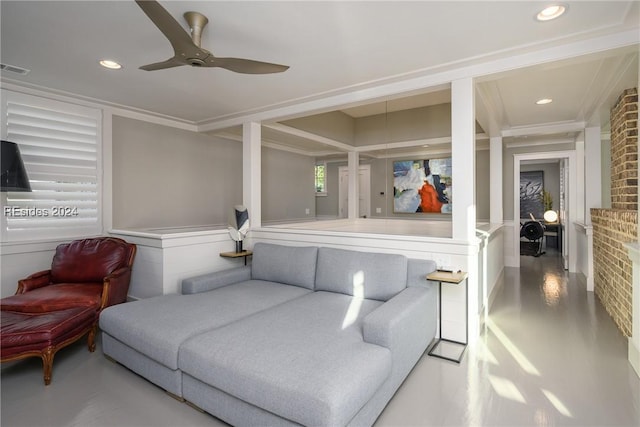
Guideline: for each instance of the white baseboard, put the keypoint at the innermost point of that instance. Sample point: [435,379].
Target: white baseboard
[634,357]
[497,288]
[512,260]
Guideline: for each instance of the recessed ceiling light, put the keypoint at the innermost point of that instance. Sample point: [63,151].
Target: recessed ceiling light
[551,12]
[112,65]
[544,101]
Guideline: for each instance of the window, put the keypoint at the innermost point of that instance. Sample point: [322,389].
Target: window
[321,179]
[60,146]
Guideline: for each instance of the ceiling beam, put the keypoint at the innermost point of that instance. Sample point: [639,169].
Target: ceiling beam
[289,130]
[426,78]
[544,129]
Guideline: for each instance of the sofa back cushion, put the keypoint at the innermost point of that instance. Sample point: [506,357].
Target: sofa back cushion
[290,265]
[88,260]
[417,270]
[369,275]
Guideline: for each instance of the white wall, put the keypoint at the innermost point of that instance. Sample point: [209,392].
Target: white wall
[406,125]
[334,125]
[168,177]
[19,260]
[287,186]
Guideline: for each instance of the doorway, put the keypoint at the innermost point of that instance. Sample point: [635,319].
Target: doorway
[567,201]
[364,191]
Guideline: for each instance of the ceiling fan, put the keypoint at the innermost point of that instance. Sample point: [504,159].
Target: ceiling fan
[187,50]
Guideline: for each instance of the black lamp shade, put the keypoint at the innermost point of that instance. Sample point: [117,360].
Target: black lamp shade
[14,175]
[242,218]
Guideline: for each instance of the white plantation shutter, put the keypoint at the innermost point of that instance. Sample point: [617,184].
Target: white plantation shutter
[60,147]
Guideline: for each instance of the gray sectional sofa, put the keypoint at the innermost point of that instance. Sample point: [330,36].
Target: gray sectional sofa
[310,336]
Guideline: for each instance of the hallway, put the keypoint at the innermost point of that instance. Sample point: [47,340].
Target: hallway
[549,356]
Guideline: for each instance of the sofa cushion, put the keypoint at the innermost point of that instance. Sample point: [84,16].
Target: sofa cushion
[284,264]
[156,327]
[88,260]
[60,296]
[371,275]
[304,360]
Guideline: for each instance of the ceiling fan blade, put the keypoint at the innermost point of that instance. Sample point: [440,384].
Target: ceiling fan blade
[187,50]
[246,66]
[169,63]
[172,30]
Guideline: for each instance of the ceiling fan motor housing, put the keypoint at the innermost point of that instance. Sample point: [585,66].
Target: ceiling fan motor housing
[195,62]
[197,22]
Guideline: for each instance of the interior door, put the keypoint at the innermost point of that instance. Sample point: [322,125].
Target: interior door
[364,191]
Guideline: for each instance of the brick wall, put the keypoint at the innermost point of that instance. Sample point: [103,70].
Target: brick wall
[624,151]
[613,270]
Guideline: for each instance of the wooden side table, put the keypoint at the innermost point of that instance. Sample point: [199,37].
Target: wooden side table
[243,254]
[455,278]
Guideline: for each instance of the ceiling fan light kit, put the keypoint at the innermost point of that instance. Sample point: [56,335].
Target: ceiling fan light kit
[110,64]
[186,47]
[551,12]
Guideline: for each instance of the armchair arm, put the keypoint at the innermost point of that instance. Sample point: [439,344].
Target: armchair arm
[217,279]
[115,287]
[405,324]
[34,281]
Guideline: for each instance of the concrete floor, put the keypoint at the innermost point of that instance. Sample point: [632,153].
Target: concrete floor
[549,356]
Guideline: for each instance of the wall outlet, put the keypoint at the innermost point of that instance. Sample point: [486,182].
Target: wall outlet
[307,211]
[378,210]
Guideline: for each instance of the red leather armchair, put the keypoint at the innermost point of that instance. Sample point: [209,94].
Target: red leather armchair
[54,308]
[90,272]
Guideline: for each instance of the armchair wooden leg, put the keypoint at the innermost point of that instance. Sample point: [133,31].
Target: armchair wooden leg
[47,364]
[91,340]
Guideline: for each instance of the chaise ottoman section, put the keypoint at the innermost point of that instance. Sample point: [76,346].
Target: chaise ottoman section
[43,334]
[145,335]
[304,360]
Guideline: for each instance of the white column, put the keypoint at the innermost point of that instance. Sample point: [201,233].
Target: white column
[590,275]
[354,197]
[580,183]
[634,339]
[463,159]
[495,180]
[592,171]
[252,171]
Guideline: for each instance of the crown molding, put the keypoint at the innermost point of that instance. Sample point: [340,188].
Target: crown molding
[113,108]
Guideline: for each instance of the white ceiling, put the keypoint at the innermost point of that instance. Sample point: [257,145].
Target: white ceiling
[334,47]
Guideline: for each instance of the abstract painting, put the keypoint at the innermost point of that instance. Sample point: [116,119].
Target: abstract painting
[422,186]
[531,187]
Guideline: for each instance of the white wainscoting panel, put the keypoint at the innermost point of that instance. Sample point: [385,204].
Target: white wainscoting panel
[167,256]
